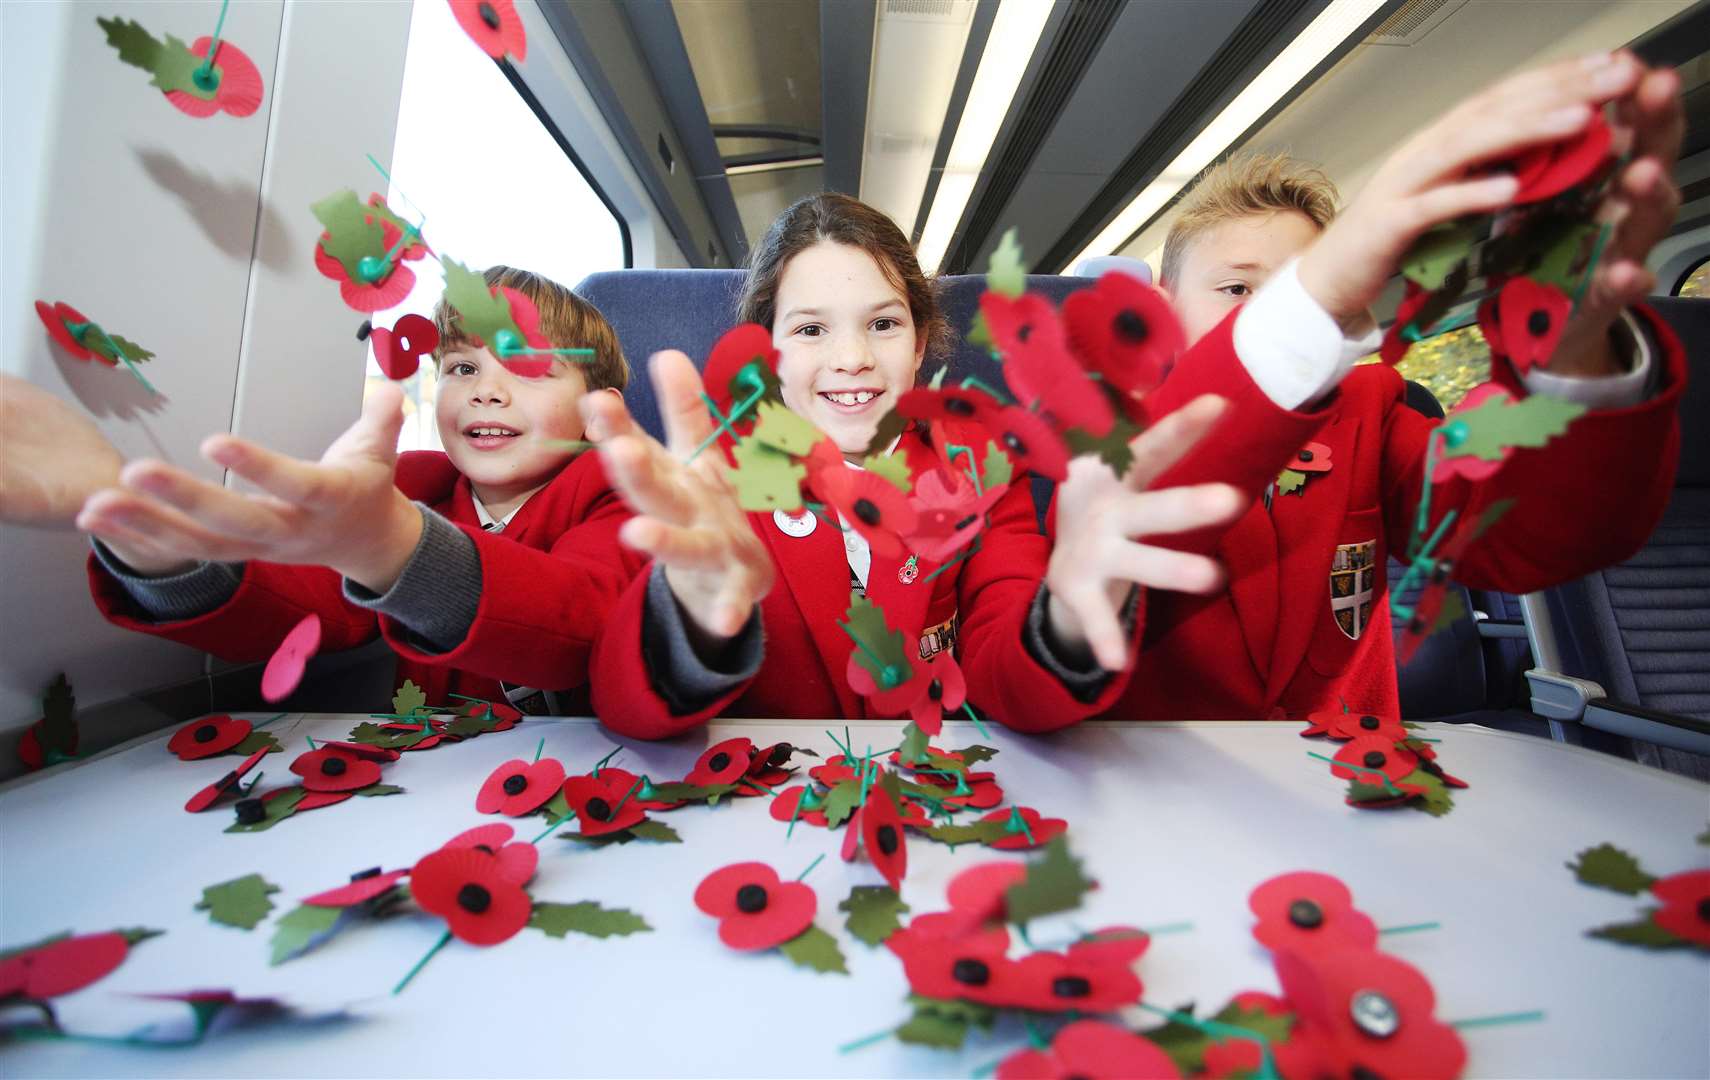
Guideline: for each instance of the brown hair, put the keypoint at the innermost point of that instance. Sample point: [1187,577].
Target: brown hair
[830,215]
[567,321]
[1248,183]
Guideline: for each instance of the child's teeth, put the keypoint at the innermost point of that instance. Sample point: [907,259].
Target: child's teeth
[857,398]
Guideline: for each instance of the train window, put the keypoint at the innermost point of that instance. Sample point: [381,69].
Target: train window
[1447,364]
[1695,282]
[494,186]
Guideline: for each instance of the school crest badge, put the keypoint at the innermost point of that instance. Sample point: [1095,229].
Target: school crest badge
[1352,579]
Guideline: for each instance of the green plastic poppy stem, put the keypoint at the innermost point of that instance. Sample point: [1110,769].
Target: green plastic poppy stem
[272,720]
[1221,1031]
[214,44]
[865,1041]
[1423,517]
[526,351]
[538,749]
[810,866]
[724,422]
[1167,928]
[633,788]
[438,945]
[1591,269]
[549,829]
[310,740]
[1017,823]
[963,554]
[1388,785]
[975,718]
[794,815]
[1411,927]
[1503,1018]
[1418,567]
[840,746]
[1035,1037]
[602,761]
[753,783]
[120,353]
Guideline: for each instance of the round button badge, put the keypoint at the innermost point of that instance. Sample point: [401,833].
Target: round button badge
[795,525]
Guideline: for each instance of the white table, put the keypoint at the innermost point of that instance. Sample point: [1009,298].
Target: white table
[1178,822]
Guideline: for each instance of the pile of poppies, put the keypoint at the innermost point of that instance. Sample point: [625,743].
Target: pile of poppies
[1385,763]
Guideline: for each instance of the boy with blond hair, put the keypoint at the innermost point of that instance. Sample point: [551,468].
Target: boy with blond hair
[495,559]
[1302,624]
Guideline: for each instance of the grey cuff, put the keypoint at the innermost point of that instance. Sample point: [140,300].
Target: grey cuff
[1083,678]
[439,591]
[688,681]
[203,588]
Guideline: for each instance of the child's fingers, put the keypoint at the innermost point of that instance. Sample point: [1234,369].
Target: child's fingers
[374,436]
[301,483]
[1091,606]
[220,510]
[647,478]
[1177,509]
[1160,568]
[677,386]
[683,548]
[159,526]
[1169,440]
[1445,202]
[606,417]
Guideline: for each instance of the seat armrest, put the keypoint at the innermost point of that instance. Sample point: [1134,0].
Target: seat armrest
[1561,697]
[1652,725]
[1500,628]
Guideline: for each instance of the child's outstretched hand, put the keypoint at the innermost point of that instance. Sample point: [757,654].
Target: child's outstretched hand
[1099,557]
[55,457]
[687,517]
[1435,178]
[342,512]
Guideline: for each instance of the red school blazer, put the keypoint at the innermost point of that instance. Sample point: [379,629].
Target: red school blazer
[1272,639]
[548,583]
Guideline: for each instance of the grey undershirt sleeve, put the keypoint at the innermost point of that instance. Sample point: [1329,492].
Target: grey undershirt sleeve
[687,680]
[438,593]
[1081,676]
[175,597]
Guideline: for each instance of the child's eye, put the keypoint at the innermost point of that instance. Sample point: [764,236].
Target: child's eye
[462,367]
[811,330]
[886,323]
[1236,289]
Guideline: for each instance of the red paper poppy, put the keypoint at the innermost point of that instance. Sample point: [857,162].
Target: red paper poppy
[1043,830]
[1118,945]
[285,667]
[59,967]
[1094,1050]
[55,319]
[1370,1014]
[785,807]
[1314,457]
[311,800]
[1047,375]
[942,960]
[239,90]
[627,779]
[1531,318]
[936,686]
[1054,982]
[364,750]
[1468,467]
[950,513]
[754,908]
[368,297]
[528,365]
[983,793]
[1546,171]
[979,893]
[835,771]
[913,814]
[1125,330]
[330,768]
[517,787]
[882,835]
[399,351]
[600,804]
[211,794]
[517,862]
[1373,754]
[1021,322]
[1309,912]
[359,891]
[208,736]
[899,698]
[494,26]
[739,347]
[1354,725]
[964,404]
[1395,344]
[1030,443]
[469,889]
[722,763]
[1686,906]
[869,504]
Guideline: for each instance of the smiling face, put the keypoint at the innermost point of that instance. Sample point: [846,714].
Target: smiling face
[496,426]
[847,346]
[1225,265]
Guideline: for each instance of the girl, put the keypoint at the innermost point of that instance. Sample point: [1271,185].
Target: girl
[740,611]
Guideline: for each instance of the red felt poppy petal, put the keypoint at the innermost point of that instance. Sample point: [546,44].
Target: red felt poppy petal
[1531,318]
[545,778]
[1325,988]
[488,836]
[1031,444]
[330,769]
[1354,725]
[979,891]
[784,808]
[394,362]
[315,800]
[716,894]
[461,886]
[1050,982]
[1548,171]
[1115,945]
[492,794]
[1043,830]
[517,862]
[362,750]
[1030,1065]
[358,891]
[208,736]
[734,351]
[1338,923]
[507,37]
[1093,1048]
[239,92]
[55,318]
[285,667]
[887,844]
[389,291]
[1376,754]
[1684,888]
[72,964]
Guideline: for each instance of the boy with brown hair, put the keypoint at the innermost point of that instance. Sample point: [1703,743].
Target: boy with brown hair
[1303,623]
[495,559]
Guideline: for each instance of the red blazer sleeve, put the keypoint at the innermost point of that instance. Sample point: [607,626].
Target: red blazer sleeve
[1251,444]
[1587,500]
[270,600]
[541,610]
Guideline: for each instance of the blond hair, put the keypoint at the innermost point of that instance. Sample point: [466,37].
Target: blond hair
[1247,183]
[566,320]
